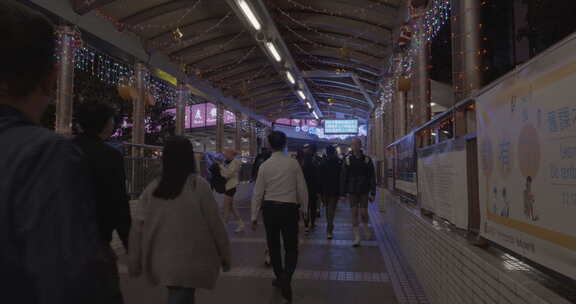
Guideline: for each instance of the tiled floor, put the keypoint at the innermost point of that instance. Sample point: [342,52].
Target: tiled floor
[328,272]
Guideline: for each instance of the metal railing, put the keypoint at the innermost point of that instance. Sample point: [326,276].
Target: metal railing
[143,164]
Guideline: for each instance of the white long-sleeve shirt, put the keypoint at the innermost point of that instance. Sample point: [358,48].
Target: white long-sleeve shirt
[280,179]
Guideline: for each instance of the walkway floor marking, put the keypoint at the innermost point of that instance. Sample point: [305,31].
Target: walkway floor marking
[343,243]
[348,276]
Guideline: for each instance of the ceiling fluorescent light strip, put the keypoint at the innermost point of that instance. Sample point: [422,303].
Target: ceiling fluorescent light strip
[273,51]
[301,94]
[249,14]
[290,77]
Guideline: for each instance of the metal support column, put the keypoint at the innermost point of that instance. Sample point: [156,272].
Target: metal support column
[238,132]
[220,129]
[422,100]
[466,47]
[139,106]
[65,89]
[181,101]
[253,139]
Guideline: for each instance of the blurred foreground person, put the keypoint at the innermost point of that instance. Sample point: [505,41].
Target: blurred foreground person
[51,251]
[179,240]
[107,168]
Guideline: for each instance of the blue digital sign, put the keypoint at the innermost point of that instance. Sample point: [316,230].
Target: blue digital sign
[340,126]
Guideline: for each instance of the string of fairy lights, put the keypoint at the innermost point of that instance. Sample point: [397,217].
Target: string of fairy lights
[401,63]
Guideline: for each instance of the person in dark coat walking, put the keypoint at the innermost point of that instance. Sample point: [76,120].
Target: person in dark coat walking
[358,181]
[51,252]
[108,174]
[310,168]
[330,186]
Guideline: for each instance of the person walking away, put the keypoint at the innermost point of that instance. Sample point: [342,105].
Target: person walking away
[330,186]
[358,181]
[258,161]
[230,170]
[108,174]
[310,170]
[178,240]
[51,252]
[280,191]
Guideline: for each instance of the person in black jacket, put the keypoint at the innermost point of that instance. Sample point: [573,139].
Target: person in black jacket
[358,181]
[330,186]
[264,155]
[310,168]
[50,250]
[107,172]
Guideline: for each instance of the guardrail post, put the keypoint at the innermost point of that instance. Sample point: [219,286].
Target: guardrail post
[220,129]
[67,40]
[183,94]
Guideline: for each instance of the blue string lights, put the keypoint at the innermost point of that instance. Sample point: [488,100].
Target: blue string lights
[435,18]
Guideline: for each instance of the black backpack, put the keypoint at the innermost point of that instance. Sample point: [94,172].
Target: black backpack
[217,181]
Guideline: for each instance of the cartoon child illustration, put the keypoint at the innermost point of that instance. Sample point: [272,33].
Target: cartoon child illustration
[495,201]
[529,200]
[506,209]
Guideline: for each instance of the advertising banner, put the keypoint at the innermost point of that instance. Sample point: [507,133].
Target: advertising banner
[443,183]
[527,158]
[405,180]
[198,116]
[211,114]
[283,121]
[229,117]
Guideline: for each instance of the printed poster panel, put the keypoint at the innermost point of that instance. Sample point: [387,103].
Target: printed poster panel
[211,114]
[443,183]
[229,117]
[198,116]
[405,172]
[527,155]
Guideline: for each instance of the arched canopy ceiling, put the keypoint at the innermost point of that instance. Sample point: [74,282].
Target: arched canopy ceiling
[350,36]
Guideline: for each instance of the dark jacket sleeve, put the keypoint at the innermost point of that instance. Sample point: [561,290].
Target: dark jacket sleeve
[343,177]
[371,177]
[56,216]
[123,218]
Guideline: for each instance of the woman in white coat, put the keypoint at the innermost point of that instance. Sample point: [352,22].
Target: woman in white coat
[179,240]
[230,170]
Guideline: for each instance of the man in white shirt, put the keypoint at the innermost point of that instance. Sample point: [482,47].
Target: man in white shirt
[280,192]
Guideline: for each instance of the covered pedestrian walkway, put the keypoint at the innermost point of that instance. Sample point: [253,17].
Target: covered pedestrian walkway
[329,271]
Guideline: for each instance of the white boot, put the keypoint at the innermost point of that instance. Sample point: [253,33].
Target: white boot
[241,227]
[356,237]
[367,231]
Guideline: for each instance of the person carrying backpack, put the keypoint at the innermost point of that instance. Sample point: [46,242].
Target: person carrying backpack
[358,181]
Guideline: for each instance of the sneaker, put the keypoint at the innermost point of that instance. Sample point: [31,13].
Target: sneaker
[267,260]
[240,228]
[330,236]
[356,237]
[286,291]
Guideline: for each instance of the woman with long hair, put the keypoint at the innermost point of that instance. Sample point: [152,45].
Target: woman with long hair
[179,240]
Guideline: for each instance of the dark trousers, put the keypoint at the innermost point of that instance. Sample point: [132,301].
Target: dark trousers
[330,201]
[281,220]
[181,295]
[312,210]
